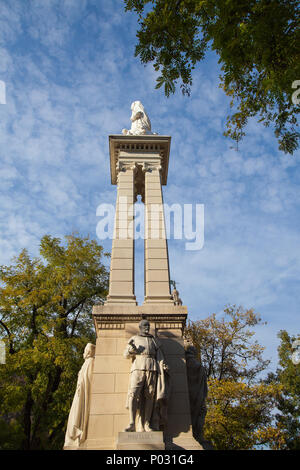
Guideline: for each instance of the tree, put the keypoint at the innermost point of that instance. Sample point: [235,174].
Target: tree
[45,320]
[288,402]
[225,346]
[240,415]
[257,42]
[240,405]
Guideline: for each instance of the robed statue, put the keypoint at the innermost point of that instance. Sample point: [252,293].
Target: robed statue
[79,412]
[148,390]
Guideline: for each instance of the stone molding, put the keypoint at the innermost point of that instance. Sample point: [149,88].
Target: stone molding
[113,317]
[160,321]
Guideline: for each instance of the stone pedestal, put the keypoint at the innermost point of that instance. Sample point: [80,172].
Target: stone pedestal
[140,441]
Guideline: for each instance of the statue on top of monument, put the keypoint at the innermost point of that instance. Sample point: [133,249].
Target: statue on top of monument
[79,412]
[175,294]
[149,382]
[141,124]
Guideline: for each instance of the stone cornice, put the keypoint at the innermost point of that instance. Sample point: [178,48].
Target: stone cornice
[110,317]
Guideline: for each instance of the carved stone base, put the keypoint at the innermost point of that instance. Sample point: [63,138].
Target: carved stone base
[71,448]
[140,441]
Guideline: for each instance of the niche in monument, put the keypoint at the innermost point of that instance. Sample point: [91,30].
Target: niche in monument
[139,396]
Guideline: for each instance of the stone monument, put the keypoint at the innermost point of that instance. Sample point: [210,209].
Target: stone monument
[154,386]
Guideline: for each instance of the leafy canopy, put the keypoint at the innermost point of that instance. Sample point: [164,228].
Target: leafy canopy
[258,44]
[239,405]
[45,320]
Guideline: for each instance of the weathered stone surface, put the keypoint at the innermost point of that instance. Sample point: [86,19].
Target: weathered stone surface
[140,441]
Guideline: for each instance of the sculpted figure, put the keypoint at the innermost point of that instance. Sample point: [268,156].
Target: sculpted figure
[197,385]
[148,383]
[296,353]
[141,124]
[79,413]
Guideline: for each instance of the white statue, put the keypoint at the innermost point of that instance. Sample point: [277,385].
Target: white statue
[79,412]
[148,383]
[141,124]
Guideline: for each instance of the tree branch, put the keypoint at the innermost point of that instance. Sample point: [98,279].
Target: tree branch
[75,320]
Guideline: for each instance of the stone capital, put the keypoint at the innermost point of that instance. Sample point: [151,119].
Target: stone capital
[150,166]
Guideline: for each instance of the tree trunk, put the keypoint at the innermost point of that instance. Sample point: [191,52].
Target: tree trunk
[26,444]
[53,384]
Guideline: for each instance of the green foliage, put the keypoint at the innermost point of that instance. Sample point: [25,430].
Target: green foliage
[258,45]
[239,415]
[239,404]
[288,403]
[45,315]
[11,434]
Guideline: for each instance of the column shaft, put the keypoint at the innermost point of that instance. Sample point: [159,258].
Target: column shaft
[157,278]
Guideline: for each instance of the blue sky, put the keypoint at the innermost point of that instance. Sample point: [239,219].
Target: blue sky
[70,76]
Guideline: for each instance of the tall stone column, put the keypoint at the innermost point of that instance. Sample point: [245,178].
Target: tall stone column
[157,277]
[121,282]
